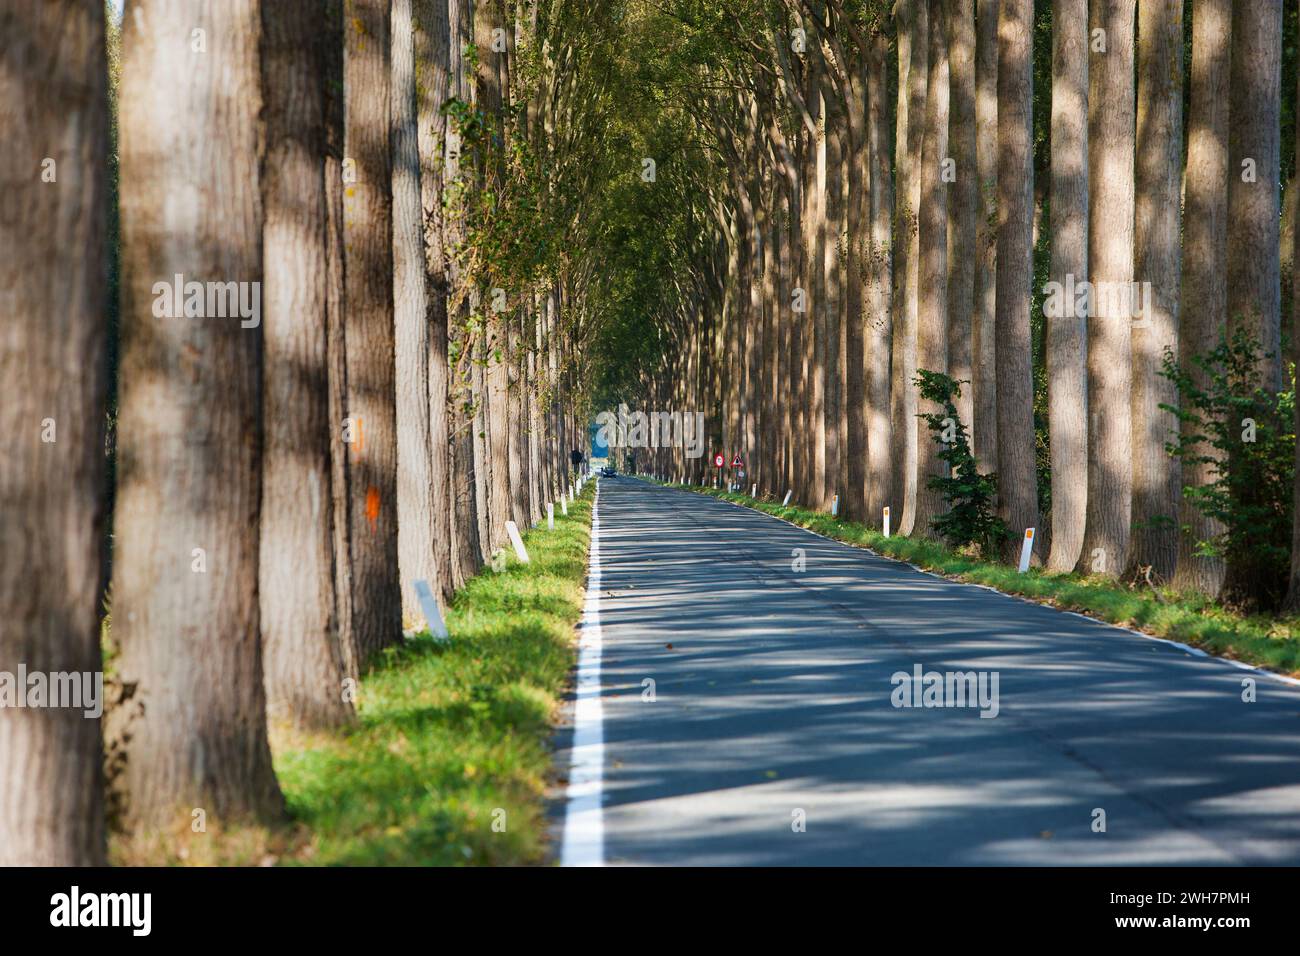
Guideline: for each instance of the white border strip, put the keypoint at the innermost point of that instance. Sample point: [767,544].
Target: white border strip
[583,842]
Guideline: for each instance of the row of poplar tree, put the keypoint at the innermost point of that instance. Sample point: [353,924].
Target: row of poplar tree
[245,534]
[899,182]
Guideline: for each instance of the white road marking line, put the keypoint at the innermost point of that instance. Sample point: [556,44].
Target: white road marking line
[583,842]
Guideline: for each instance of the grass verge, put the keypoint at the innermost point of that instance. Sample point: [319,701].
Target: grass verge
[1193,619]
[449,760]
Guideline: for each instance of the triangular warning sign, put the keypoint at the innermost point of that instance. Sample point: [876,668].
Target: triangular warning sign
[737,461]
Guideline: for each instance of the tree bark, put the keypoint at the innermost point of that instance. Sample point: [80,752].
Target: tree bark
[912,42]
[984,384]
[1017,479]
[191,733]
[53,296]
[964,209]
[1254,266]
[415,488]
[304,660]
[371,367]
[1110,263]
[879,323]
[1205,239]
[1157,260]
[1067,328]
[932,314]
[433,66]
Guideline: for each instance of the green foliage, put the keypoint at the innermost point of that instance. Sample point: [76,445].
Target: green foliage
[1251,432]
[969,495]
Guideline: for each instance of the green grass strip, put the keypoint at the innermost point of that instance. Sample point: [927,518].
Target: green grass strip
[453,738]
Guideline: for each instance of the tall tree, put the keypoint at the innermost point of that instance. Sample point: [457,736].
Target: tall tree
[371,369]
[984,319]
[879,324]
[932,305]
[1018,502]
[191,733]
[1292,602]
[1067,360]
[54,296]
[417,496]
[1157,263]
[305,661]
[1110,262]
[489,32]
[1254,178]
[964,209]
[912,48]
[434,80]
[1205,239]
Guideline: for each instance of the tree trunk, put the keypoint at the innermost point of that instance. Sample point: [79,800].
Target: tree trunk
[368,270]
[1292,602]
[912,42]
[1110,264]
[415,487]
[984,383]
[433,65]
[1205,240]
[1067,328]
[304,659]
[191,733]
[1157,260]
[932,314]
[963,213]
[1254,265]
[53,296]
[1017,479]
[341,453]
[1254,277]
[879,324]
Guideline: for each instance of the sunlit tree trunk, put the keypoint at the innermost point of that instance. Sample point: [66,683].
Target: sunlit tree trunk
[1110,266]
[932,314]
[1067,344]
[879,309]
[912,43]
[306,664]
[964,208]
[1157,263]
[192,733]
[1205,239]
[433,87]
[1017,480]
[1254,265]
[371,370]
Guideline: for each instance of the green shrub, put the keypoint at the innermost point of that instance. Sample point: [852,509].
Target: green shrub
[1252,433]
[970,519]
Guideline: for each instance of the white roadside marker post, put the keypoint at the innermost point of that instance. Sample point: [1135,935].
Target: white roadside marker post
[429,605]
[521,552]
[753,492]
[785,503]
[564,506]
[835,506]
[1026,550]
[886,521]
[550,516]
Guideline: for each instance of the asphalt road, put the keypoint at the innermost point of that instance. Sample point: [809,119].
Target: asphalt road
[774,704]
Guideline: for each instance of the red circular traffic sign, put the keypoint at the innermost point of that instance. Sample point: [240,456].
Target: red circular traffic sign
[719,460]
